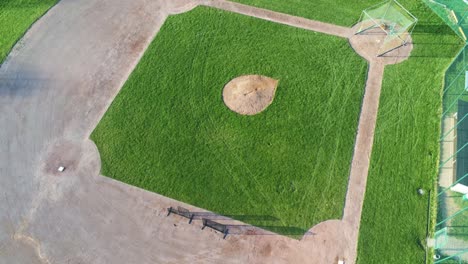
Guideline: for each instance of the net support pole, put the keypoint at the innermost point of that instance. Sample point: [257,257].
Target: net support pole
[452,216]
[453,128]
[454,101]
[453,184]
[386,11]
[451,157]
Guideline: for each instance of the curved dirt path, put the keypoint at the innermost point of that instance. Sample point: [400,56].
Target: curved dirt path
[55,86]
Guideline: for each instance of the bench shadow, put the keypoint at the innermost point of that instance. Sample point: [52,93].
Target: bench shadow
[213,216]
[267,230]
[225,227]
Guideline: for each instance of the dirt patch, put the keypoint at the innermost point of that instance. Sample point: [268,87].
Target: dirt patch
[368,44]
[87,203]
[249,94]
[62,153]
[266,250]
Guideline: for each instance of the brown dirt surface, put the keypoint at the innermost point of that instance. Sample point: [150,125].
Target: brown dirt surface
[368,44]
[249,94]
[48,218]
[62,153]
[285,19]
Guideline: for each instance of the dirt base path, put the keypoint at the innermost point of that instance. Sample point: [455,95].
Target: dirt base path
[362,152]
[55,86]
[281,18]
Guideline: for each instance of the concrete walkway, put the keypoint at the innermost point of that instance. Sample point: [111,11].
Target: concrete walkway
[54,88]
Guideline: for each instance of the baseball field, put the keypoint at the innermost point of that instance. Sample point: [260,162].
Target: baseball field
[287,168]
[169,131]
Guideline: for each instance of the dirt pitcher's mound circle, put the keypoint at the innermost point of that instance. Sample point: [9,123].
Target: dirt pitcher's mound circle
[249,94]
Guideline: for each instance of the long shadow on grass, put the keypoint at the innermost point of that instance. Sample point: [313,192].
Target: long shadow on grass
[260,229]
[427,50]
[213,216]
[267,230]
[430,47]
[424,49]
[421,29]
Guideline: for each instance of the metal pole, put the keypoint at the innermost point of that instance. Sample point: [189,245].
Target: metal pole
[388,7]
[443,163]
[450,257]
[464,68]
[455,126]
[453,184]
[452,216]
[458,75]
[454,101]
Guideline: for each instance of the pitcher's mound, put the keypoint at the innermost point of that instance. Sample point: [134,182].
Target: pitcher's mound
[249,94]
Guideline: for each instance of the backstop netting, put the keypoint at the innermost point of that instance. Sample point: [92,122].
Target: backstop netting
[454,13]
[393,19]
[451,237]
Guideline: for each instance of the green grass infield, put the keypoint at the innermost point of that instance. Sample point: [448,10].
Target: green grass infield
[168,130]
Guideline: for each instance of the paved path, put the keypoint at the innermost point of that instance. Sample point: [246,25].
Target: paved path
[56,85]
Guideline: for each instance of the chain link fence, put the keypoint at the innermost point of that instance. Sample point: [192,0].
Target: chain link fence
[451,227]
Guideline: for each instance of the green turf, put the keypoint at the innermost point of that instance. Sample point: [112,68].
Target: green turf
[16,16]
[406,150]
[169,131]
[339,12]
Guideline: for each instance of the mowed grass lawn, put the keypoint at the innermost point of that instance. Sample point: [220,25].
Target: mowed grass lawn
[341,12]
[16,16]
[168,130]
[406,150]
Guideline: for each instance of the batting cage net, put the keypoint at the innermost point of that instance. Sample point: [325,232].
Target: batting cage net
[393,19]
